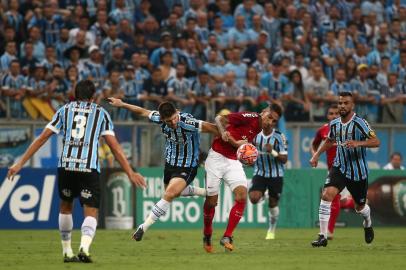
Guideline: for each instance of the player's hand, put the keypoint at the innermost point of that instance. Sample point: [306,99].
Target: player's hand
[13,170]
[138,180]
[351,144]
[268,147]
[116,102]
[225,136]
[314,161]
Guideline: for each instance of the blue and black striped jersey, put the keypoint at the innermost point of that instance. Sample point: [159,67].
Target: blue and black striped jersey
[351,161]
[182,144]
[81,125]
[266,165]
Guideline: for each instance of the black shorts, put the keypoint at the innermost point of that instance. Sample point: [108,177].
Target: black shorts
[85,185]
[274,185]
[187,174]
[358,189]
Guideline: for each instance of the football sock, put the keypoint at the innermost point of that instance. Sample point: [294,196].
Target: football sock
[192,191]
[65,228]
[324,216]
[237,211]
[366,214]
[273,218]
[88,231]
[208,215]
[159,209]
[335,212]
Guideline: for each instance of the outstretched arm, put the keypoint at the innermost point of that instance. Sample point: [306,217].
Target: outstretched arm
[32,149]
[210,128]
[326,144]
[118,153]
[116,102]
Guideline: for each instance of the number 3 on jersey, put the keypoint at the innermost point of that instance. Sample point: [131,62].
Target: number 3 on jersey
[79,130]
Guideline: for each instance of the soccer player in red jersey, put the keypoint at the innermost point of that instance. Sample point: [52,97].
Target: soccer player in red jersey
[321,135]
[221,163]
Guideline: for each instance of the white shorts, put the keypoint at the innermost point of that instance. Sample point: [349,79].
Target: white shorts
[219,167]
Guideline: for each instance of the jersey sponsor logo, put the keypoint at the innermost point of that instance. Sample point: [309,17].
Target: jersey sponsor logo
[190,122]
[82,110]
[249,115]
[372,134]
[75,160]
[77,169]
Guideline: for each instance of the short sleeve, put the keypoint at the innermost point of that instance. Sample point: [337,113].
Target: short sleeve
[192,124]
[57,121]
[107,127]
[331,133]
[366,129]
[155,117]
[283,145]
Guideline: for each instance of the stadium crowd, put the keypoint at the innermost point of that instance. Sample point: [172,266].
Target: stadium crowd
[205,55]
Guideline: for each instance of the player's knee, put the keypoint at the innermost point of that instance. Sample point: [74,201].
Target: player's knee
[273,202]
[171,194]
[66,207]
[254,198]
[210,202]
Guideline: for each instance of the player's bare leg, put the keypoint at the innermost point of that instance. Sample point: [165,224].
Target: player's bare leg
[175,187]
[209,208]
[324,215]
[236,213]
[65,228]
[365,212]
[88,229]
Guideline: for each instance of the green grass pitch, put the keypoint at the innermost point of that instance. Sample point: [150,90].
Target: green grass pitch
[182,249]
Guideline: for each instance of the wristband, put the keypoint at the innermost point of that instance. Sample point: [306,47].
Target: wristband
[274,153]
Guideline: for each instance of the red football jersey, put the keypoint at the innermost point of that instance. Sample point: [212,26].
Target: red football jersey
[321,135]
[242,126]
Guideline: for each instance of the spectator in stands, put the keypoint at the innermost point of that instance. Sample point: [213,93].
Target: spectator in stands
[391,103]
[340,83]
[360,88]
[395,162]
[261,63]
[317,88]
[74,56]
[167,46]
[219,32]
[191,57]
[28,61]
[374,90]
[151,33]
[7,36]
[109,42]
[120,12]
[360,54]
[251,90]
[117,59]
[58,87]
[142,12]
[285,52]
[271,24]
[224,13]
[298,104]
[239,36]
[329,53]
[350,68]
[166,66]
[13,88]
[13,18]
[62,45]
[376,55]
[237,67]
[230,95]
[113,87]
[9,55]
[179,89]
[36,102]
[201,93]
[100,28]
[400,68]
[172,25]
[132,92]
[155,90]
[35,39]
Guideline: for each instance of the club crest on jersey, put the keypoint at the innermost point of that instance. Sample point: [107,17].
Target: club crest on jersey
[67,192]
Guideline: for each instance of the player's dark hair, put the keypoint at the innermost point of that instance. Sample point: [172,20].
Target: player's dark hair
[396,154]
[276,108]
[333,106]
[85,90]
[345,94]
[166,110]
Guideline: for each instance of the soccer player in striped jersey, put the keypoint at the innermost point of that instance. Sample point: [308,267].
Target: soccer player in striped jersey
[352,135]
[81,123]
[269,167]
[182,132]
[343,199]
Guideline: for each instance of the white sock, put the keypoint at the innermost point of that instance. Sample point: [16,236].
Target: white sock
[324,216]
[273,218]
[366,214]
[65,228]
[159,209]
[192,191]
[88,231]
